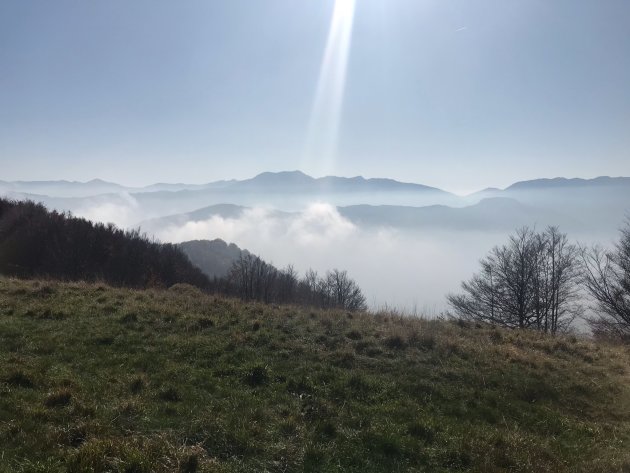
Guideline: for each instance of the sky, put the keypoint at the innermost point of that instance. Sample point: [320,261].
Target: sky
[457,94]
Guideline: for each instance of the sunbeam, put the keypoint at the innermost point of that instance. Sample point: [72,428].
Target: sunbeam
[321,146]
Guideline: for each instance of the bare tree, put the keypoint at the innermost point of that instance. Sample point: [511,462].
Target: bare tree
[308,289]
[287,285]
[502,293]
[531,282]
[557,282]
[607,279]
[341,292]
[251,278]
[482,297]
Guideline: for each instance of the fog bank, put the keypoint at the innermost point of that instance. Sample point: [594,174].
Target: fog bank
[407,270]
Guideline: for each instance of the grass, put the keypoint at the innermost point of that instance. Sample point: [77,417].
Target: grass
[95,379]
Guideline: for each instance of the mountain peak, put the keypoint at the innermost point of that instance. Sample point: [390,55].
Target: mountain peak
[101,182]
[282,175]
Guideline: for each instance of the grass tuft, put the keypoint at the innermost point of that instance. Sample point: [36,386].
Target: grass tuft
[19,379]
[257,376]
[170,395]
[57,399]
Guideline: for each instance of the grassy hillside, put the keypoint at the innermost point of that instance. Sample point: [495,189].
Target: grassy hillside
[100,379]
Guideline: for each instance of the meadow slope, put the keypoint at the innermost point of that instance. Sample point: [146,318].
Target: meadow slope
[97,379]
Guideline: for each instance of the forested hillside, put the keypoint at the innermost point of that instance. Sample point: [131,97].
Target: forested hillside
[37,243]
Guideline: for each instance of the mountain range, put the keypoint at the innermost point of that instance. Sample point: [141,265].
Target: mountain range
[294,182]
[282,182]
[576,204]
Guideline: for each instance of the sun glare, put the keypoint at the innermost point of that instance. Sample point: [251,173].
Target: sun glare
[327,108]
[344,8]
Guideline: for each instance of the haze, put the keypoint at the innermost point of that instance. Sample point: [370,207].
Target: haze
[452,101]
[455,94]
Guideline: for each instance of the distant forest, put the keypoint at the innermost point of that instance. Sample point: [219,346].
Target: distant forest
[37,243]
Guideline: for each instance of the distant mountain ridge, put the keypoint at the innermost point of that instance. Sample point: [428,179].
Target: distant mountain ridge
[271,189]
[61,188]
[298,181]
[491,214]
[598,204]
[285,181]
[563,182]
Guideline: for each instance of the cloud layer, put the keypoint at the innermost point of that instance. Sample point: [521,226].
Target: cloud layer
[404,270]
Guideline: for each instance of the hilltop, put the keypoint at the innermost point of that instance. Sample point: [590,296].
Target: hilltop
[94,378]
[215,258]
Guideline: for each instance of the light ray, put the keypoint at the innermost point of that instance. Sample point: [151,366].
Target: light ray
[323,133]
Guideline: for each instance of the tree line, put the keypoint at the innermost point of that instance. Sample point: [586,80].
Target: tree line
[539,280]
[37,243]
[251,278]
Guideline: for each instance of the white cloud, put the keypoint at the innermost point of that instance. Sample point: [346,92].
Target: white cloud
[393,267]
[320,224]
[123,213]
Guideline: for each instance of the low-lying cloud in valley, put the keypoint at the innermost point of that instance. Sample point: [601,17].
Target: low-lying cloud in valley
[123,211]
[407,270]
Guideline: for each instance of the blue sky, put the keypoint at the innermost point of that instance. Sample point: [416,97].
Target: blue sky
[458,94]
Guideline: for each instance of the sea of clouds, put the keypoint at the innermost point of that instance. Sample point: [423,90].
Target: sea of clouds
[409,271]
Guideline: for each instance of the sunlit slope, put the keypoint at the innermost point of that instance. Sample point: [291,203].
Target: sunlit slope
[101,379]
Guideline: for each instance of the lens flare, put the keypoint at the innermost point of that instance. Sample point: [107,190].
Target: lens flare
[323,133]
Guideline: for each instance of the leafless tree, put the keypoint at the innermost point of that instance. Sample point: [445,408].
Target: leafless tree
[308,289]
[339,291]
[557,282]
[251,278]
[607,279]
[531,282]
[287,285]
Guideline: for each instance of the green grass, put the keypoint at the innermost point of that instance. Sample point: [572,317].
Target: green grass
[98,379]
